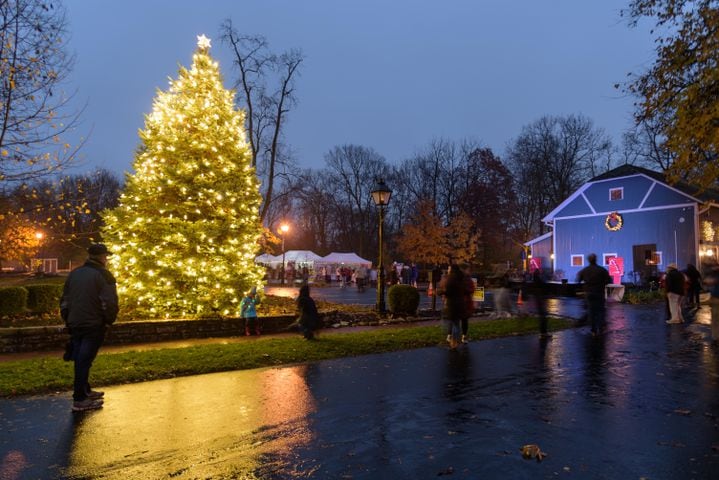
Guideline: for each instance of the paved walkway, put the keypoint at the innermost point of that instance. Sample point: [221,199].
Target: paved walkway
[638,402]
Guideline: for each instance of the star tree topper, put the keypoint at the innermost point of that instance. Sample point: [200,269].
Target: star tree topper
[203,42]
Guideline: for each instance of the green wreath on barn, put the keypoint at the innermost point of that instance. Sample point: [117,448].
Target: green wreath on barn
[613,222]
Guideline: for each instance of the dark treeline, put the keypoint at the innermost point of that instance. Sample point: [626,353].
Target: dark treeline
[451,200]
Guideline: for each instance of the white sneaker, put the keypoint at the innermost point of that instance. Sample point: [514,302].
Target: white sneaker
[449,337]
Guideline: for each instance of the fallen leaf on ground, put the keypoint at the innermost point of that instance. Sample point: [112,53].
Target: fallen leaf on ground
[533,451]
[683,411]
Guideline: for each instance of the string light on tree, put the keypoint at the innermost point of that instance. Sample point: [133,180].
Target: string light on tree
[185,233]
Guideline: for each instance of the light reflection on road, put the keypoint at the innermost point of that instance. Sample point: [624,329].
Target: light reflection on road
[194,424]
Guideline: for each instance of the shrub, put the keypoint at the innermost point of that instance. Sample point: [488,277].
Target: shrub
[43,298]
[403,299]
[636,297]
[13,300]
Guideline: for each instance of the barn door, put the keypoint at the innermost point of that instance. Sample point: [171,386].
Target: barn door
[644,262]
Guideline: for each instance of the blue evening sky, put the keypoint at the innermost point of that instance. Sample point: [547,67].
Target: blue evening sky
[386,74]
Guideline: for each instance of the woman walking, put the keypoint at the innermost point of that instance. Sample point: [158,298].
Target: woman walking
[452,288]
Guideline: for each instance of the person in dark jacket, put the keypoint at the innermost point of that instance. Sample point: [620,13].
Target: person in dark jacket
[452,287]
[596,279]
[540,290]
[308,318]
[695,285]
[88,305]
[674,284]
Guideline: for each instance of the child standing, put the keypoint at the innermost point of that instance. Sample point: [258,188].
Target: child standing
[249,312]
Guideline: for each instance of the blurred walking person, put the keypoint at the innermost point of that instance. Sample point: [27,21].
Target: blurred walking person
[452,288]
[540,287]
[695,285]
[361,278]
[469,288]
[712,281]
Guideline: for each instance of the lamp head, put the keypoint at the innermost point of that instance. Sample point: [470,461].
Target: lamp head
[381,193]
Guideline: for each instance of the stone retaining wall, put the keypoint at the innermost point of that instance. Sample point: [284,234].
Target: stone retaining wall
[33,339]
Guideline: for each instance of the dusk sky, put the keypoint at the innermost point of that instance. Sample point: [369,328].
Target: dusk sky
[391,75]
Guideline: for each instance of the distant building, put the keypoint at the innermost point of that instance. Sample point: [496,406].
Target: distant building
[632,213]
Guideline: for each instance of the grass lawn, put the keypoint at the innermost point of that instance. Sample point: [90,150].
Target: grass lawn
[51,375]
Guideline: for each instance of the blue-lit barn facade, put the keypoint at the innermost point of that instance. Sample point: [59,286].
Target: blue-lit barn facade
[632,213]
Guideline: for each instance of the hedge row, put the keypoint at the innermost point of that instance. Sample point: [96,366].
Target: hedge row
[35,298]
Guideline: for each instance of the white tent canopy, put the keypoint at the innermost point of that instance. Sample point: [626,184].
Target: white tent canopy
[300,257]
[267,259]
[352,259]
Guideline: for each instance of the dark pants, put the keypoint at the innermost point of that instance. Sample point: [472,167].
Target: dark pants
[454,327]
[694,291]
[465,326]
[596,311]
[250,324]
[307,331]
[84,350]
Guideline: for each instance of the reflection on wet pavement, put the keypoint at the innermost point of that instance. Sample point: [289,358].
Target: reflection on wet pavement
[203,422]
[640,401]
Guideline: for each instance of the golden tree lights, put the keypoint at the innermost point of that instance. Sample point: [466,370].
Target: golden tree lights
[613,222]
[185,233]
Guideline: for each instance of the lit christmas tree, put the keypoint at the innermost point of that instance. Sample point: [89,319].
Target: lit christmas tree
[185,233]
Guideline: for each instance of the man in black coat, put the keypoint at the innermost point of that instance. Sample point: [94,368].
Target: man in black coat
[674,285]
[596,279]
[88,305]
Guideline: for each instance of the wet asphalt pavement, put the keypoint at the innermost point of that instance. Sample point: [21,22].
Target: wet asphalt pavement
[641,401]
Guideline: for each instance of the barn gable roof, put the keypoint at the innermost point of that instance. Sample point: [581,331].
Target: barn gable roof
[685,190]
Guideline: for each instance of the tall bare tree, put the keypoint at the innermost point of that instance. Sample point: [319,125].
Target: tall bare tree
[266,83]
[646,145]
[488,196]
[550,159]
[352,171]
[436,174]
[313,213]
[34,65]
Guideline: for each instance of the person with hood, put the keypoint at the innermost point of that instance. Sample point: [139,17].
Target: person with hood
[88,306]
[308,317]
[248,311]
[674,285]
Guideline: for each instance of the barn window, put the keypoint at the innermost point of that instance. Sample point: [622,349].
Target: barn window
[656,259]
[616,194]
[606,257]
[577,260]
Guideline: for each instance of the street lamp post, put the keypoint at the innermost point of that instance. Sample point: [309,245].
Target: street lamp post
[283,230]
[381,195]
